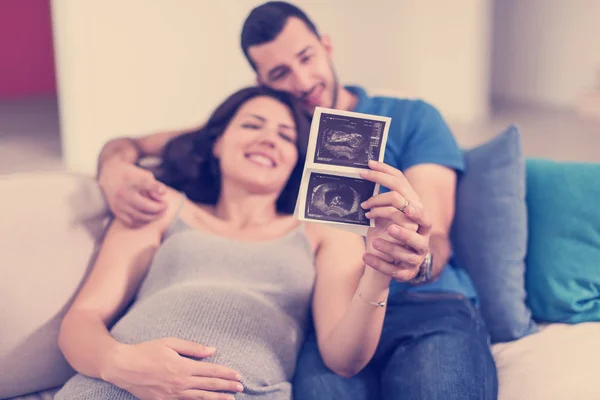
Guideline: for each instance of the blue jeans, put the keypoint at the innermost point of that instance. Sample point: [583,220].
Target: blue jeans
[433,346]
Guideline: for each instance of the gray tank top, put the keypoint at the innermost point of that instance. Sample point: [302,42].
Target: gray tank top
[250,300]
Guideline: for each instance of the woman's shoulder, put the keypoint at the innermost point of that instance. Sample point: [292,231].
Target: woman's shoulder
[153,229]
[173,198]
[173,201]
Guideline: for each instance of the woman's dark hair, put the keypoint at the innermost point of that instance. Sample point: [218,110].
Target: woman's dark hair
[188,163]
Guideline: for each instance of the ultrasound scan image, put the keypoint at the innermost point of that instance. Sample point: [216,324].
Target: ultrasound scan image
[337,198]
[348,141]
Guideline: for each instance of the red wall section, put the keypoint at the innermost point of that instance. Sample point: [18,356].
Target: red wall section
[26,50]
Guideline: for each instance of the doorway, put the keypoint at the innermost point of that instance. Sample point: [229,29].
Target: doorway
[29,114]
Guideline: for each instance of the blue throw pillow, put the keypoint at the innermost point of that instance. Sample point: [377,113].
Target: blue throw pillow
[489,233]
[563,261]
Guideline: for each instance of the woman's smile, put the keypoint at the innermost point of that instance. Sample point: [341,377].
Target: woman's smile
[261,159]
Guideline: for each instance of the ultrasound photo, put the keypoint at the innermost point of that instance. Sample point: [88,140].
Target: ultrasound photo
[348,141]
[337,198]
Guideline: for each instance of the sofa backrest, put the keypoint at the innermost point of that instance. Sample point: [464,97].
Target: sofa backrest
[50,226]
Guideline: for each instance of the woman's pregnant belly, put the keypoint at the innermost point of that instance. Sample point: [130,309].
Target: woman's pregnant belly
[250,334]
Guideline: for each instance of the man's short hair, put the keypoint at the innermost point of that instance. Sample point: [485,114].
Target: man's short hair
[266,21]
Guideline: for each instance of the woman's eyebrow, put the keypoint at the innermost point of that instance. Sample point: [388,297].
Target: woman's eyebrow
[263,119]
[257,117]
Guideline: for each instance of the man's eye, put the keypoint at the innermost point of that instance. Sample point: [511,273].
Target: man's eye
[306,59]
[279,76]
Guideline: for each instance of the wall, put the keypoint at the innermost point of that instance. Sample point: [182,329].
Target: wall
[545,51]
[140,66]
[26,49]
[437,50]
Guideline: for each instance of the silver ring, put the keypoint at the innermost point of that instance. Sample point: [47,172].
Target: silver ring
[406,204]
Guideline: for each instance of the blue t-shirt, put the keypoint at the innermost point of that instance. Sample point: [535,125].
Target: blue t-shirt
[418,134]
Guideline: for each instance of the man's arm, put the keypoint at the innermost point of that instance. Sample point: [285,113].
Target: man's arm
[130,150]
[436,187]
[133,193]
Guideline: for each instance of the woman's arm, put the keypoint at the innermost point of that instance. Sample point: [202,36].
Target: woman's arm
[348,327]
[348,323]
[122,262]
[160,368]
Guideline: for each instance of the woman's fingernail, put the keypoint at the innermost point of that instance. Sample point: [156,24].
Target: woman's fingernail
[239,387]
[368,214]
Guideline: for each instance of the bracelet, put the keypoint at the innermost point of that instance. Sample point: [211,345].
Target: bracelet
[375,303]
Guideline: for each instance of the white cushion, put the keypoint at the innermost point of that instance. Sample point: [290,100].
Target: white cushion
[561,362]
[50,224]
[44,395]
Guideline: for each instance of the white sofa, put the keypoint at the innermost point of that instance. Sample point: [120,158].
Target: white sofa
[50,226]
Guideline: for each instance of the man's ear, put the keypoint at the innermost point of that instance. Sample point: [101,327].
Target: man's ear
[327,45]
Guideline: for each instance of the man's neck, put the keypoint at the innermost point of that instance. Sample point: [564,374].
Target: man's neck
[346,100]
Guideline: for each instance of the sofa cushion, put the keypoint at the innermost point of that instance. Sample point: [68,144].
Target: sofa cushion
[51,224]
[563,261]
[489,233]
[560,362]
[44,395]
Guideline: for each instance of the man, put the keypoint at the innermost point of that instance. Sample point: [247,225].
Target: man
[434,344]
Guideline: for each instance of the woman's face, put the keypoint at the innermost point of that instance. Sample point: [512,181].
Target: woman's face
[258,150]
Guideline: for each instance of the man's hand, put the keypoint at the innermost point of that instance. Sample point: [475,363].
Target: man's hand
[133,193]
[436,186]
[399,242]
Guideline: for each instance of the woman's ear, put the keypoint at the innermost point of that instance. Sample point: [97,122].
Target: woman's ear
[216,150]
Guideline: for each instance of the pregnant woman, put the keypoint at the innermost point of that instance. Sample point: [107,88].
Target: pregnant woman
[212,299]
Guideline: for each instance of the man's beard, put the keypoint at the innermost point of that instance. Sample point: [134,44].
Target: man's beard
[334,100]
[336,85]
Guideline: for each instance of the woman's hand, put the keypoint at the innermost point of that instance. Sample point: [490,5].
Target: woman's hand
[399,242]
[157,369]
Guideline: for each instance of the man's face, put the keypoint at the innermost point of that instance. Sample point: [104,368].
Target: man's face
[299,63]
